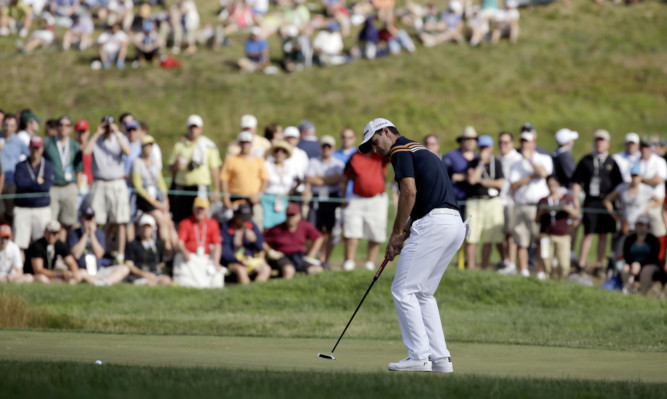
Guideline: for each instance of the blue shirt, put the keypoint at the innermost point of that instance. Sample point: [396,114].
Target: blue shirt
[28,182]
[227,231]
[455,163]
[254,49]
[73,238]
[14,152]
[135,151]
[311,146]
[344,157]
[434,189]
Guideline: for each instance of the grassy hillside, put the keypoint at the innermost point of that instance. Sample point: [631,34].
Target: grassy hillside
[582,67]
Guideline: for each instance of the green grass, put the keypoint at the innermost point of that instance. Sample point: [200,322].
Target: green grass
[74,380]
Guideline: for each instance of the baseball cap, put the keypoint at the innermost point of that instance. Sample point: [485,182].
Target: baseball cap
[88,212]
[306,126]
[564,136]
[195,120]
[328,140]
[131,125]
[148,139]
[632,137]
[245,137]
[636,169]
[528,136]
[370,129]
[147,219]
[291,131]
[28,116]
[243,211]
[528,127]
[485,141]
[36,142]
[82,124]
[601,134]
[53,226]
[248,122]
[644,142]
[292,209]
[5,231]
[201,202]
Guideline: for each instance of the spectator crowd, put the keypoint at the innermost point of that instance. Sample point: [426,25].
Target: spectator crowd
[88,202]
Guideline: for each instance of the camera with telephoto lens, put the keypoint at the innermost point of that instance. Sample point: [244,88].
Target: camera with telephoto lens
[107,120]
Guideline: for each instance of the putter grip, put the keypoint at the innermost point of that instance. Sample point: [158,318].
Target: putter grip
[382,266]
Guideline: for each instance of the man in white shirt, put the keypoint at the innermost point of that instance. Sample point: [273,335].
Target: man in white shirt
[653,170]
[299,159]
[328,45]
[528,182]
[508,157]
[627,158]
[11,262]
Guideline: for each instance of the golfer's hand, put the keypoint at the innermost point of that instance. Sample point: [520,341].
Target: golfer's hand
[394,245]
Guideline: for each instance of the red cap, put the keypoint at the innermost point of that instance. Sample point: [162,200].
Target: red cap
[36,142]
[293,209]
[5,231]
[82,124]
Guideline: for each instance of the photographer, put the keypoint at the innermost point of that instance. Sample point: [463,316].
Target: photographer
[109,196]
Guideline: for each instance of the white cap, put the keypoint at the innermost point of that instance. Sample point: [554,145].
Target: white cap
[291,31]
[456,6]
[245,137]
[370,129]
[632,137]
[195,120]
[248,122]
[529,136]
[291,131]
[564,136]
[52,226]
[255,31]
[147,219]
[328,139]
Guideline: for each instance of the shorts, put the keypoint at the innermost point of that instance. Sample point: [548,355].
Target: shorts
[508,225]
[29,224]
[63,203]
[295,259]
[598,220]
[366,218]
[325,214]
[657,223]
[111,201]
[487,220]
[525,227]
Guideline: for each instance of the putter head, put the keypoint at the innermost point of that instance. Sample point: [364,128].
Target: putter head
[325,356]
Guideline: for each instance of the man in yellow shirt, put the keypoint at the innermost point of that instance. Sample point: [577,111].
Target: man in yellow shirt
[244,178]
[195,162]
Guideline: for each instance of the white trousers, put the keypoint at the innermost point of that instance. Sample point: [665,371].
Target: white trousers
[433,242]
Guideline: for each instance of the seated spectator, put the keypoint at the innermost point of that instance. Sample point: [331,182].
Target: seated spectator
[337,10]
[87,246]
[15,17]
[367,42]
[285,245]
[31,213]
[11,260]
[431,26]
[395,39]
[113,47]
[189,20]
[148,44]
[80,34]
[63,10]
[553,213]
[506,23]
[282,180]
[144,255]
[640,255]
[256,52]
[478,24]
[197,262]
[120,12]
[49,260]
[240,16]
[42,36]
[293,55]
[242,247]
[328,46]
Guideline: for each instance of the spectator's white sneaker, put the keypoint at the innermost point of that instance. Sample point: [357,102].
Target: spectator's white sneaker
[369,265]
[525,273]
[442,366]
[349,265]
[509,269]
[541,276]
[408,364]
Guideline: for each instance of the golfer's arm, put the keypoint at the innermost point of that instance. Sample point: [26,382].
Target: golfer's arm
[406,201]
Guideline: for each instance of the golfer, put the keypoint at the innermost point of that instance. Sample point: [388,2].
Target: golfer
[427,232]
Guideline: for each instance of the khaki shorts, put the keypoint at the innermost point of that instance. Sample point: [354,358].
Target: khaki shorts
[111,201]
[63,203]
[525,227]
[487,220]
[366,218]
[508,225]
[29,224]
[657,223]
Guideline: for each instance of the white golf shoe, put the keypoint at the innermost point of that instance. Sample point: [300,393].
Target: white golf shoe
[408,364]
[443,366]
[349,265]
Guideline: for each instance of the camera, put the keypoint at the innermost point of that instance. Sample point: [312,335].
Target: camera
[107,119]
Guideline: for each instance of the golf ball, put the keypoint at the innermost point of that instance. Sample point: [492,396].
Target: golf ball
[98,362]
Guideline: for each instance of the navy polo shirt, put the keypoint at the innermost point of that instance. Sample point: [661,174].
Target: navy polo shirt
[454,162]
[434,189]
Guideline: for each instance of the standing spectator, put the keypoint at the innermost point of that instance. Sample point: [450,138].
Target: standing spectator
[273,132]
[34,177]
[508,157]
[456,163]
[109,196]
[553,213]
[285,245]
[87,246]
[256,52]
[282,178]
[11,260]
[51,127]
[85,178]
[530,128]
[432,143]
[635,198]
[323,179]
[143,256]
[640,257]
[528,182]
[260,145]
[626,159]
[653,169]
[64,154]
[597,174]
[195,161]
[197,262]
[133,135]
[299,159]
[365,215]
[347,147]
[244,176]
[243,247]
[30,126]
[49,260]
[562,159]
[308,141]
[485,179]
[113,47]
[13,151]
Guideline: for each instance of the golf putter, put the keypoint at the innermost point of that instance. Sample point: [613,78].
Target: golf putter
[330,356]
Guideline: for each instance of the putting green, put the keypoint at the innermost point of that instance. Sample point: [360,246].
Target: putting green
[300,354]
